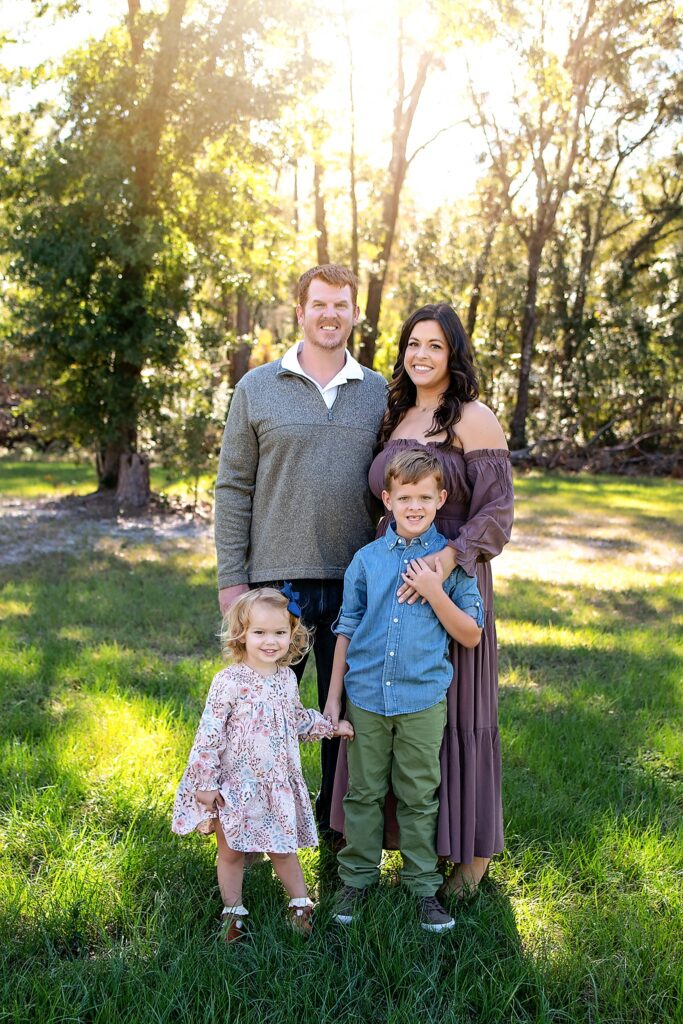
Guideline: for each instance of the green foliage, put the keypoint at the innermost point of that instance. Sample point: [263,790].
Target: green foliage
[188,433]
[150,219]
[125,196]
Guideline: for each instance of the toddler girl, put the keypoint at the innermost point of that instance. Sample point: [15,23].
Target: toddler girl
[243,780]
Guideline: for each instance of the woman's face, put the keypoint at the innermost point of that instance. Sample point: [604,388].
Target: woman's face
[426,356]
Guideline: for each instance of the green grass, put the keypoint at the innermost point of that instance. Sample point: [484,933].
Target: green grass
[51,478]
[105,916]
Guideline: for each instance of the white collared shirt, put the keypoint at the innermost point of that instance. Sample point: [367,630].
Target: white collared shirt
[351,370]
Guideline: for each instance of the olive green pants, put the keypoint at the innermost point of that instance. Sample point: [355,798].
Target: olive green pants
[403,750]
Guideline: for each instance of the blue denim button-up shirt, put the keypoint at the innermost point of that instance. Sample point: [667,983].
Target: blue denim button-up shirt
[398,655]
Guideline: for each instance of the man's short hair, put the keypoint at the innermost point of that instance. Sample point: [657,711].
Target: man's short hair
[330,273]
[411,466]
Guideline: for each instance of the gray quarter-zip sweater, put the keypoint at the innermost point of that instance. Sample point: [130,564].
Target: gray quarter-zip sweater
[292,497]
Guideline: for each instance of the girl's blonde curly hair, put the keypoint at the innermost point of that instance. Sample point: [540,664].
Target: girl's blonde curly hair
[236,623]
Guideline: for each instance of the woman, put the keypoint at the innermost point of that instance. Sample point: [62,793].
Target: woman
[433,401]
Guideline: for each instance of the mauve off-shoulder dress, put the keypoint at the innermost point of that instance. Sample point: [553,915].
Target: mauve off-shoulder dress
[476,519]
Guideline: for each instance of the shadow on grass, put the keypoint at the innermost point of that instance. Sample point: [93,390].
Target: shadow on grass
[101,624]
[112,910]
[538,602]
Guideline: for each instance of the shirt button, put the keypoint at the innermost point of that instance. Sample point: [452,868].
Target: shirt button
[405,561]
[388,682]
[395,620]
[391,654]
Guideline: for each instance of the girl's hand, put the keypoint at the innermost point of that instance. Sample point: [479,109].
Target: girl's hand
[210,798]
[344,729]
[425,581]
[331,711]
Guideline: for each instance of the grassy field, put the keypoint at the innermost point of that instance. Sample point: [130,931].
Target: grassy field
[106,917]
[53,478]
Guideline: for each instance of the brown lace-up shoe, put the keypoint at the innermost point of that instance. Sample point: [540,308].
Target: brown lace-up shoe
[348,903]
[433,918]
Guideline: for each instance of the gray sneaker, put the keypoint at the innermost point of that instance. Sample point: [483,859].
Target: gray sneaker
[433,918]
[348,903]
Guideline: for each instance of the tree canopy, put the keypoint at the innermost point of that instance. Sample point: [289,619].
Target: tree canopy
[175,174]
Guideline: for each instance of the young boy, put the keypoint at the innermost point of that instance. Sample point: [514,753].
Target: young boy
[393,661]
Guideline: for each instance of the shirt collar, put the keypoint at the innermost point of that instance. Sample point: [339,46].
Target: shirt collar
[351,370]
[425,540]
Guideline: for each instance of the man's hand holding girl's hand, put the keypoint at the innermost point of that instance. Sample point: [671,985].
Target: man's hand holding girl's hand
[332,711]
[210,798]
[341,727]
[344,729]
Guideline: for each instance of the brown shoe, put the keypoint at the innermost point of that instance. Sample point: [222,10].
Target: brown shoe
[348,903]
[433,918]
[232,923]
[301,915]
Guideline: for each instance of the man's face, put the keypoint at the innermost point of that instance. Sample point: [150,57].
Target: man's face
[328,316]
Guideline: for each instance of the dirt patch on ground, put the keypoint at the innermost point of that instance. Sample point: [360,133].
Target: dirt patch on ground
[33,529]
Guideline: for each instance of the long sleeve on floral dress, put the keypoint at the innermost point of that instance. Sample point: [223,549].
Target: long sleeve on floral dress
[204,769]
[204,765]
[310,724]
[491,511]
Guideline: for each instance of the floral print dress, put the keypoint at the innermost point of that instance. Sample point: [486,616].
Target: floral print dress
[247,746]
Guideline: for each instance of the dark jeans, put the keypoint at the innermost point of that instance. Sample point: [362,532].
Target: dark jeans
[320,602]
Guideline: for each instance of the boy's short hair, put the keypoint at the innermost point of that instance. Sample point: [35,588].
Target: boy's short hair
[411,466]
[330,273]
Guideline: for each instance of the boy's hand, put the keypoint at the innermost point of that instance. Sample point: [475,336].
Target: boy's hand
[425,581]
[210,798]
[344,729]
[331,711]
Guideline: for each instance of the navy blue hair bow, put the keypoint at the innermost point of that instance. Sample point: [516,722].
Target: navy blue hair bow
[293,598]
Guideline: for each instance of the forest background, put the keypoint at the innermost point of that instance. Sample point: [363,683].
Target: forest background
[168,170]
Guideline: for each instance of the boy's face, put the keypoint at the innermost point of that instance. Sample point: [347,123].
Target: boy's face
[414,506]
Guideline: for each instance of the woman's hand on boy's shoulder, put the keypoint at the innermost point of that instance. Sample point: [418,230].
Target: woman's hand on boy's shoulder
[447,561]
[427,582]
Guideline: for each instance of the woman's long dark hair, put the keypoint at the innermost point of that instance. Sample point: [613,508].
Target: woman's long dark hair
[462,386]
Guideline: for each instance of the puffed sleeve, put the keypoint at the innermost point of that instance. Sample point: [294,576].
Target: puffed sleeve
[310,724]
[203,769]
[489,523]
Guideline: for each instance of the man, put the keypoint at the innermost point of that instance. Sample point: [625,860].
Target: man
[292,498]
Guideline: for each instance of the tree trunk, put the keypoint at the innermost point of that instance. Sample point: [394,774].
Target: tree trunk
[107,462]
[352,176]
[296,197]
[133,483]
[146,131]
[124,439]
[241,353]
[320,223]
[528,335]
[404,114]
[479,274]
